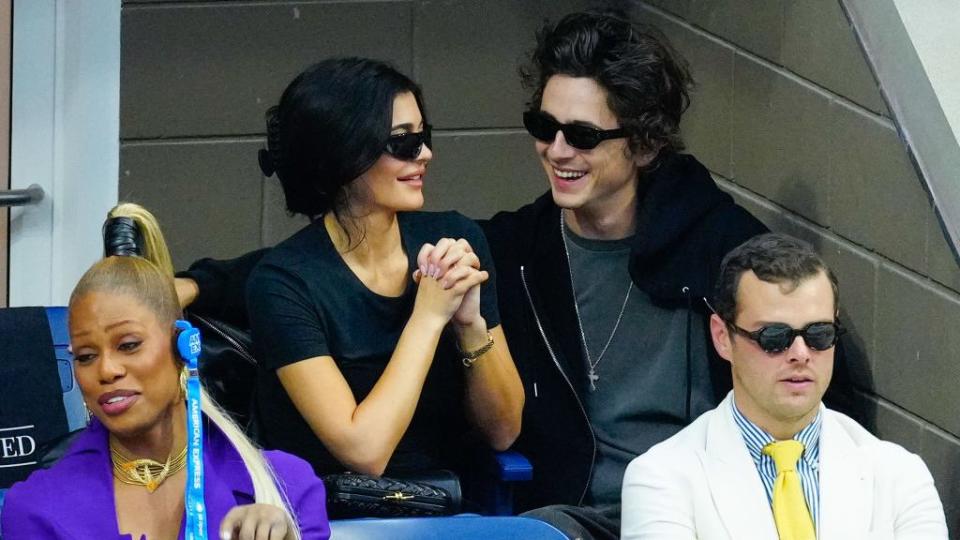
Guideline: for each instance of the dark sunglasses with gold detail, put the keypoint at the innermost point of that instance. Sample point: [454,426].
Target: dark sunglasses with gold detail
[544,127]
[407,146]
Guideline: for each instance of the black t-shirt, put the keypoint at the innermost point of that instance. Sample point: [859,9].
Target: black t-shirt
[304,302]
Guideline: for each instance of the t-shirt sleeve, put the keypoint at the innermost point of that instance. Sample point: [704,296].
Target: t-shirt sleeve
[286,325]
[488,291]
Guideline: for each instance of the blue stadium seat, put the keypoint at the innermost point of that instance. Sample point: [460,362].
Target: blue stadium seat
[495,479]
[72,398]
[463,527]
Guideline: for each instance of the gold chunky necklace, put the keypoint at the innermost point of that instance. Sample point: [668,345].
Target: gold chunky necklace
[146,472]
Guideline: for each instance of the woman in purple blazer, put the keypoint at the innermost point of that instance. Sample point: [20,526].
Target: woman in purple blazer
[125,476]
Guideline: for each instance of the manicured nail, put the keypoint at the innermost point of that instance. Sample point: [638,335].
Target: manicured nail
[432,270]
[423,269]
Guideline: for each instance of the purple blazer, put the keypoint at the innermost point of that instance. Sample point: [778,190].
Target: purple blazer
[74,498]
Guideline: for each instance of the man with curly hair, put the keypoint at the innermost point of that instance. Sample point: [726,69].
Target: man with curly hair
[601,279]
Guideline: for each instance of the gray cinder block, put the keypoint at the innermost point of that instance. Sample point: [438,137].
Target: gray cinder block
[213,69]
[482,173]
[916,344]
[207,195]
[779,144]
[468,52]
[875,196]
[707,123]
[818,44]
[755,25]
[942,264]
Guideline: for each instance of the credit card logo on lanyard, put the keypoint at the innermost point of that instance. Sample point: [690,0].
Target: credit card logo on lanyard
[188,345]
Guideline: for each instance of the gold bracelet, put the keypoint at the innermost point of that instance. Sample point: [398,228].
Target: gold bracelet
[470,357]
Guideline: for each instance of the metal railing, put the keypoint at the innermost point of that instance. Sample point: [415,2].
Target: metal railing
[21,197]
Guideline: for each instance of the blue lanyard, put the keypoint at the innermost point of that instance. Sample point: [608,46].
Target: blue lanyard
[188,345]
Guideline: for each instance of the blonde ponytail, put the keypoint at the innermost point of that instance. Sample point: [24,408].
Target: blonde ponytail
[154,245]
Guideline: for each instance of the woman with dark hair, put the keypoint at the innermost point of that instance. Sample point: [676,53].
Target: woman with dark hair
[376,325]
[125,475]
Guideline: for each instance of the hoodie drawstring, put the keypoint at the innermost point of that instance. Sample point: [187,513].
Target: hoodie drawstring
[686,292]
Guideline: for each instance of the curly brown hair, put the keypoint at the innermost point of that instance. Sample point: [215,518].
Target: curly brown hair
[647,82]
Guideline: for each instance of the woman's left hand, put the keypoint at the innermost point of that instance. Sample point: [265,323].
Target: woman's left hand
[254,522]
[436,260]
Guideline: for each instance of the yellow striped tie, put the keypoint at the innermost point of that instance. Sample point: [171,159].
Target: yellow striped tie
[789,506]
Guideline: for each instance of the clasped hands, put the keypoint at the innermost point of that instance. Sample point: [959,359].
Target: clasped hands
[449,278]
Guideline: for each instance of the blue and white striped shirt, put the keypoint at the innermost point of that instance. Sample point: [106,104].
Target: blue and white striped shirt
[808,466]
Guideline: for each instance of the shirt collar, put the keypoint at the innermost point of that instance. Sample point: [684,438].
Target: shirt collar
[756,438]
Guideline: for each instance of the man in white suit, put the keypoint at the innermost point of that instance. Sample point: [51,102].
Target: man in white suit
[771,461]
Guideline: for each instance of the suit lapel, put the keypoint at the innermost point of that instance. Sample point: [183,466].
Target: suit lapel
[735,484]
[846,484]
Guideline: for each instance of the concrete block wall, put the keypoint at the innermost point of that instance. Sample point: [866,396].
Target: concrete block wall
[788,117]
[197,77]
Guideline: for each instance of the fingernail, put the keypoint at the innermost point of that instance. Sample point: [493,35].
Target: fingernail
[432,270]
[224,535]
[423,269]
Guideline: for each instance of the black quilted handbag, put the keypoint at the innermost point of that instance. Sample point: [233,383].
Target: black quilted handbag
[351,495]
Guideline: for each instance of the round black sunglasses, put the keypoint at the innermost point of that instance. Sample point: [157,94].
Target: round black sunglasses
[778,337]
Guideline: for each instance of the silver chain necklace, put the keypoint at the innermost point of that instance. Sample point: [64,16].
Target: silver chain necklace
[592,374]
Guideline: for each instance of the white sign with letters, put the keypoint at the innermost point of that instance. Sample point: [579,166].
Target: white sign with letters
[17,449]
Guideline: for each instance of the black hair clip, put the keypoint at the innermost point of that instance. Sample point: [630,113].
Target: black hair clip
[266,162]
[122,237]
[270,156]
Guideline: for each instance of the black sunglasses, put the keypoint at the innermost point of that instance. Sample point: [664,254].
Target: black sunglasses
[544,128]
[407,146]
[778,337]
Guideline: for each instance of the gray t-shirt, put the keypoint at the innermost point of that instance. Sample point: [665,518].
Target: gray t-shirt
[641,392]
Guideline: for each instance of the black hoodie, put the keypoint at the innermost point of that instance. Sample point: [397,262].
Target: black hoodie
[685,225]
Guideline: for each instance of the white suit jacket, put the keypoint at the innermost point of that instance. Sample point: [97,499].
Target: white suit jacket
[702,483]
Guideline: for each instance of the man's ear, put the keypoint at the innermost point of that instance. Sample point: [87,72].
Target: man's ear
[720,334]
[643,157]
